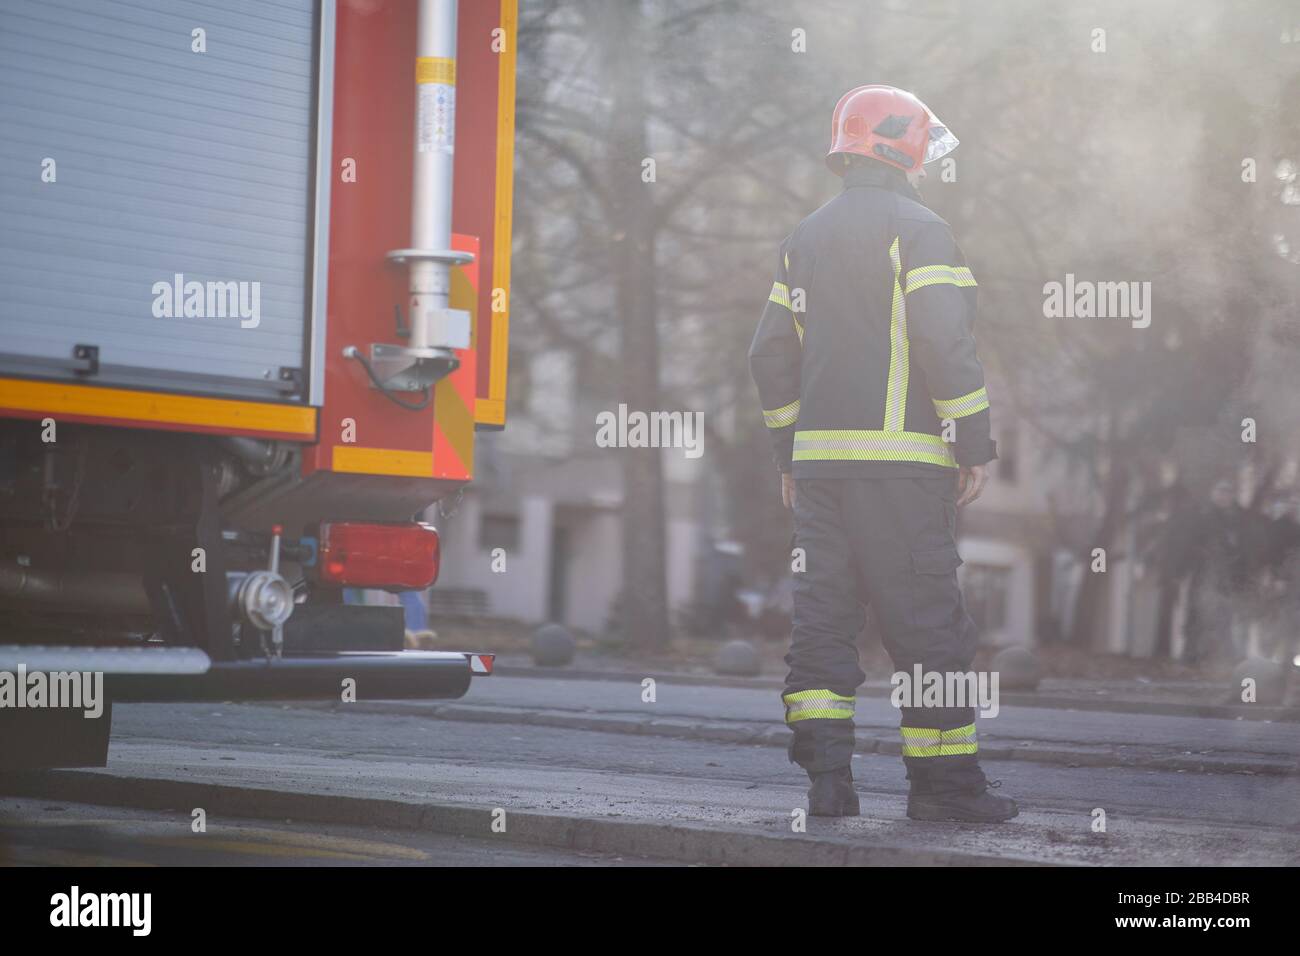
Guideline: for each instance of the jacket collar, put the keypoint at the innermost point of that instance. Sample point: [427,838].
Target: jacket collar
[880,176]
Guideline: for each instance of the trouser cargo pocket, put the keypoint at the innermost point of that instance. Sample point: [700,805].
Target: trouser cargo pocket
[936,600]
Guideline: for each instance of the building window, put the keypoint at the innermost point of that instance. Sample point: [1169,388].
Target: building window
[498,531]
[987,590]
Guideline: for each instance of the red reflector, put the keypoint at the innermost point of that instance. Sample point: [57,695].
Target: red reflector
[481,663]
[379,555]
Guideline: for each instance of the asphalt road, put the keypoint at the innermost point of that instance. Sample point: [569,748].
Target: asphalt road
[643,794]
[45,833]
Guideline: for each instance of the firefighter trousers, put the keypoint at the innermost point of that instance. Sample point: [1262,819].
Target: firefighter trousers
[887,543]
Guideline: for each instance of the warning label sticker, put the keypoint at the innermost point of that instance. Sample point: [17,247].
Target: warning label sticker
[436,118]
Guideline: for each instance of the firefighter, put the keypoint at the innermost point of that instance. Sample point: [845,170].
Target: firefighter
[874,398]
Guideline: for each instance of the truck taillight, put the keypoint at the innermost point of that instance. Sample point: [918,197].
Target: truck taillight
[379,555]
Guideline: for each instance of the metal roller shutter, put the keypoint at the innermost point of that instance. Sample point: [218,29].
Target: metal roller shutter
[167,161]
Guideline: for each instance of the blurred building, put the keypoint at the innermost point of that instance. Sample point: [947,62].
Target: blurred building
[555,522]
[1019,580]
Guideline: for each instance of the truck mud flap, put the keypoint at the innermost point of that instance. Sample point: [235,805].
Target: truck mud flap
[53,737]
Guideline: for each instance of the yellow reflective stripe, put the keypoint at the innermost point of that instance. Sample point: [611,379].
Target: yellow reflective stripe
[866,445]
[923,276]
[959,740]
[817,704]
[932,742]
[896,388]
[783,416]
[968,404]
[917,734]
[920,741]
[828,712]
[781,296]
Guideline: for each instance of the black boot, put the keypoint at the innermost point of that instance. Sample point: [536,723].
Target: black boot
[977,805]
[832,794]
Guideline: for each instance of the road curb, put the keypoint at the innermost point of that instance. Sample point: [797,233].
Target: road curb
[682,842]
[776,735]
[1046,700]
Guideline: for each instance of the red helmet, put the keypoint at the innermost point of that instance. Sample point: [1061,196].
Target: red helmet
[889,125]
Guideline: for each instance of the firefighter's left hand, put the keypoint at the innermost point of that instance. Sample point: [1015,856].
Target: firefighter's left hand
[971,483]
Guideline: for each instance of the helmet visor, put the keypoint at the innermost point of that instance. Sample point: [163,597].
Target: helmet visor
[942,142]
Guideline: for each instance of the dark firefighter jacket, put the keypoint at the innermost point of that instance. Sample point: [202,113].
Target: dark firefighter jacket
[866,349]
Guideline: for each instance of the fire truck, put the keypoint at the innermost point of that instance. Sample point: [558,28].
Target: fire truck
[254,289]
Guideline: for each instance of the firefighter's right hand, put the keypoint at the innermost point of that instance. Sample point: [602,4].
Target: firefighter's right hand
[787,489]
[971,482]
